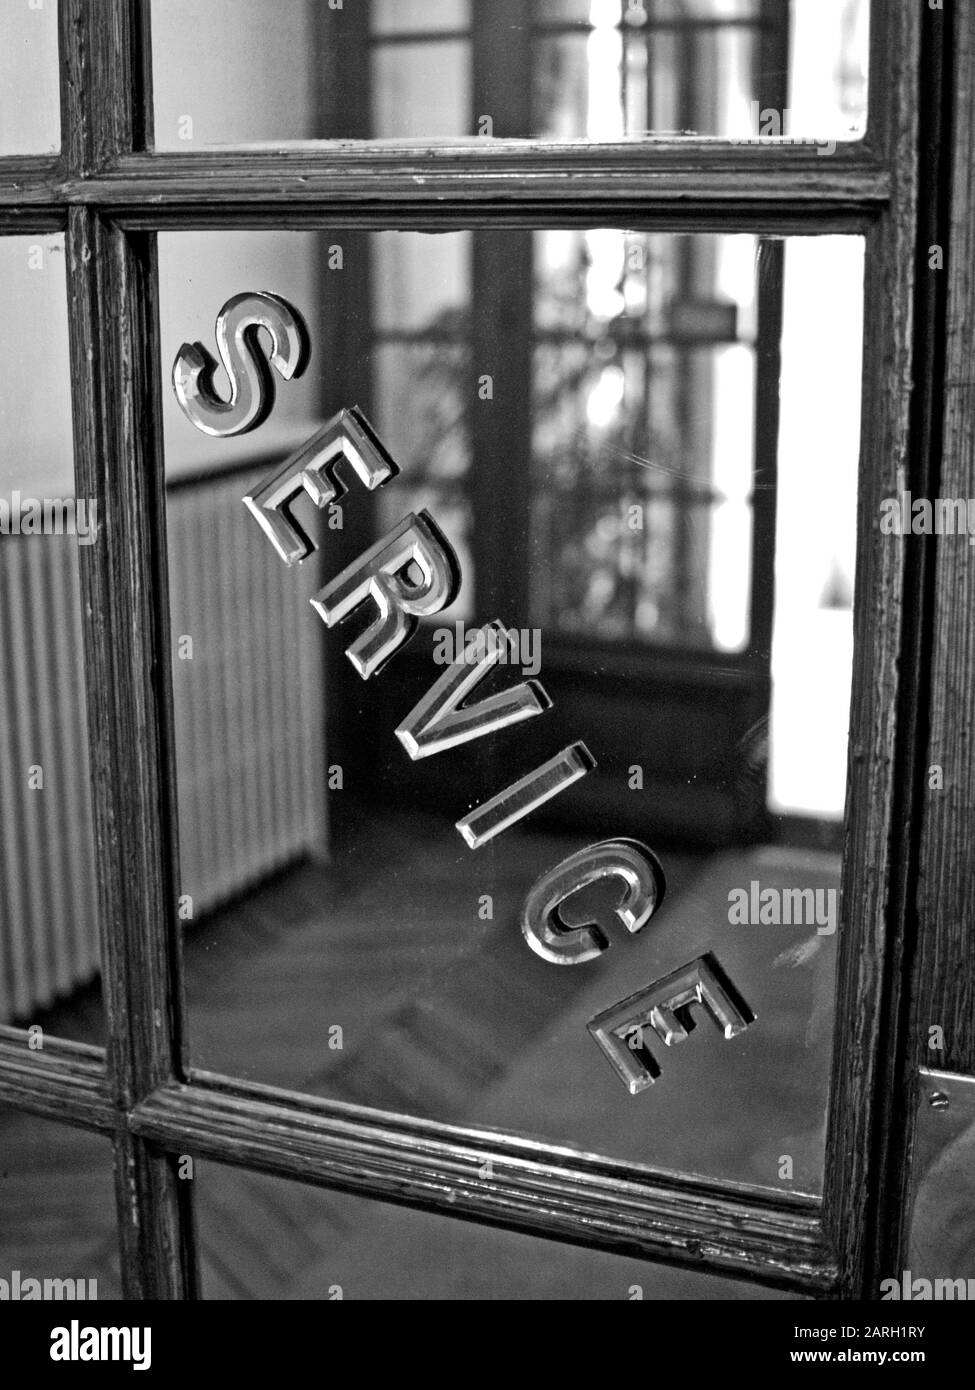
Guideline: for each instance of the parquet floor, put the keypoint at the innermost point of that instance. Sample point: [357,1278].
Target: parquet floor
[431,1017]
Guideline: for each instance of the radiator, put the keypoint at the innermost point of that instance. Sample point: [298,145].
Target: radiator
[48,922]
[249,719]
[249,703]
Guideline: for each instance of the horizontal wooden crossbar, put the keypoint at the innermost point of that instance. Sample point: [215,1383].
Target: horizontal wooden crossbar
[699,178]
[711,1227]
[60,1080]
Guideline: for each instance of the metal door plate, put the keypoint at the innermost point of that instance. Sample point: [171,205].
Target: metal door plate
[941,1223]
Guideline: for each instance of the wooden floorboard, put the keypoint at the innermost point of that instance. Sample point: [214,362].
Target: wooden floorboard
[434,1009]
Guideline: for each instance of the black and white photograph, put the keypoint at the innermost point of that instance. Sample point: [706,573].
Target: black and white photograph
[487,731]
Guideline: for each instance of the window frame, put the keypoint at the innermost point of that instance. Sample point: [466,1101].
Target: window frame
[110,194]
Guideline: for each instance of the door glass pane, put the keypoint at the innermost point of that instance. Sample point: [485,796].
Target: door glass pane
[628,520]
[597,70]
[57,1212]
[265,1238]
[48,917]
[30,115]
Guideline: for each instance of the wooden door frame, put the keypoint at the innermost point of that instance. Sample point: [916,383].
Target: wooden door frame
[109,194]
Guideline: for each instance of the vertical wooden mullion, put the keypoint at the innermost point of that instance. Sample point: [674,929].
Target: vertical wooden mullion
[112,325]
[883,134]
[142,118]
[74,59]
[878,872]
[945,986]
[118,464]
[105,82]
[942,962]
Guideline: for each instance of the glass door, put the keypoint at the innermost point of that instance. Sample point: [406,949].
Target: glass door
[502,709]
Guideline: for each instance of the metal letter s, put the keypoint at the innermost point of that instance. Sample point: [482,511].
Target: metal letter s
[243,358]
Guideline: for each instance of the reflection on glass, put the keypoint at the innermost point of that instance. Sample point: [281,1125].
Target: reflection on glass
[247,685]
[591,70]
[620,518]
[816,528]
[48,922]
[402,80]
[618,70]
[265,1238]
[643,406]
[419,16]
[828,37]
[30,114]
[421,388]
[58,1212]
